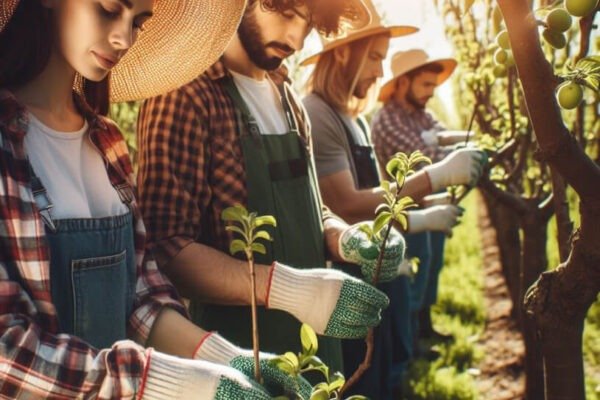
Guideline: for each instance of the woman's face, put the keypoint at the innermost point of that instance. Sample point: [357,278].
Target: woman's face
[93,35]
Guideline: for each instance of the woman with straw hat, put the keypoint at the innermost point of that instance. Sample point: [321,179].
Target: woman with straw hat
[74,281]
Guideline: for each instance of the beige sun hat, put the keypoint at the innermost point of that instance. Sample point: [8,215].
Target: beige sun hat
[406,61]
[181,40]
[375,27]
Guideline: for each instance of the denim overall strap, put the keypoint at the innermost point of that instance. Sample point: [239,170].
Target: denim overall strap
[92,271]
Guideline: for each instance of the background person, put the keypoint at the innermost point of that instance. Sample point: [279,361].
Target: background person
[75,281]
[404,125]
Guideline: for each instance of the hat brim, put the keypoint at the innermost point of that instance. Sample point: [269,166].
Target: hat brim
[393,31]
[180,41]
[388,88]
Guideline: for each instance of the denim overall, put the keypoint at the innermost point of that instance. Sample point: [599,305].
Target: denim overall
[281,181]
[393,337]
[92,270]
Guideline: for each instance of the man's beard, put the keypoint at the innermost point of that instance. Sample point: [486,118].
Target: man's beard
[252,41]
[413,101]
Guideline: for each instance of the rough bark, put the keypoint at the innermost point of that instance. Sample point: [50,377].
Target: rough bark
[559,300]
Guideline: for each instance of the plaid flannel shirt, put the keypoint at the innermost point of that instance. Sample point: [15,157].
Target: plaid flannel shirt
[395,129]
[36,360]
[191,165]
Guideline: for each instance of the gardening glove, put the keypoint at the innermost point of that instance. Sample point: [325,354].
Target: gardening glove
[173,378]
[437,218]
[449,138]
[331,302]
[461,167]
[355,247]
[436,199]
[430,138]
[216,349]
[406,268]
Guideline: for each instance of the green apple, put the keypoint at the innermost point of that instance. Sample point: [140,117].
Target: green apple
[580,8]
[569,95]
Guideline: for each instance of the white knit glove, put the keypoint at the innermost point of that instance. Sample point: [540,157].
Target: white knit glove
[436,199]
[449,138]
[216,349]
[173,378]
[430,138]
[437,218]
[331,302]
[461,167]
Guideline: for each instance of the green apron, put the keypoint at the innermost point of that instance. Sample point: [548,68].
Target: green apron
[281,181]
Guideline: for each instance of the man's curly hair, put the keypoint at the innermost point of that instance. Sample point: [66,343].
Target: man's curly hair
[327,16]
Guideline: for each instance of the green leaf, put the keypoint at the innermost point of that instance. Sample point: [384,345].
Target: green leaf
[311,362]
[265,220]
[237,229]
[367,230]
[262,235]
[284,364]
[258,248]
[292,359]
[308,337]
[382,207]
[236,246]
[235,213]
[319,394]
[357,397]
[402,221]
[393,166]
[337,382]
[381,221]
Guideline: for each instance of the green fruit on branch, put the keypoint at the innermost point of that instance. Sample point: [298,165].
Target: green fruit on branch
[500,56]
[503,40]
[559,20]
[554,38]
[569,95]
[500,71]
[580,8]
[510,59]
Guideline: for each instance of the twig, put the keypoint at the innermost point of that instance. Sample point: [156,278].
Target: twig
[257,374]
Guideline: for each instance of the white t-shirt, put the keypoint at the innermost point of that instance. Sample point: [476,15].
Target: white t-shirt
[72,171]
[264,102]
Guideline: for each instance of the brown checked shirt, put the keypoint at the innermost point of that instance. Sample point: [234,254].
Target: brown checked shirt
[191,163]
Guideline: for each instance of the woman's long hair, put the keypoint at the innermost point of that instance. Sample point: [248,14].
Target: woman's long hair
[25,48]
[335,82]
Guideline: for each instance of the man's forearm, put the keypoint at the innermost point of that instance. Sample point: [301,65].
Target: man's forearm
[201,272]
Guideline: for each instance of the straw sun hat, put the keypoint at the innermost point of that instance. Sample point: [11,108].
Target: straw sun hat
[406,61]
[375,27]
[181,40]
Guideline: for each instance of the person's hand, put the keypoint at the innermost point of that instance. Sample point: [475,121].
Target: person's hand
[461,167]
[331,302]
[174,378]
[437,218]
[356,247]
[218,350]
[430,138]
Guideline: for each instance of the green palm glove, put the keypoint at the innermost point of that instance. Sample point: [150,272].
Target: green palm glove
[356,247]
[216,349]
[331,302]
[240,389]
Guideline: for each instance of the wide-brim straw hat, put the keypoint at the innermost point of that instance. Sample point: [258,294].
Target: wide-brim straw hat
[374,28]
[406,61]
[181,40]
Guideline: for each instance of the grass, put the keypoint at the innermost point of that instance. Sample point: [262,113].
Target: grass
[460,311]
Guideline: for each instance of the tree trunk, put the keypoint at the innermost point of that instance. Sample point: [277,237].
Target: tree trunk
[560,299]
[506,223]
[534,263]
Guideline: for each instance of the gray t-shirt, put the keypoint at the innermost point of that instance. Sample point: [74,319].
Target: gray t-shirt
[330,144]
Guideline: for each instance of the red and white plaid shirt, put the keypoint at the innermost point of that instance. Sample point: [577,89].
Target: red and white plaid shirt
[36,360]
[395,129]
